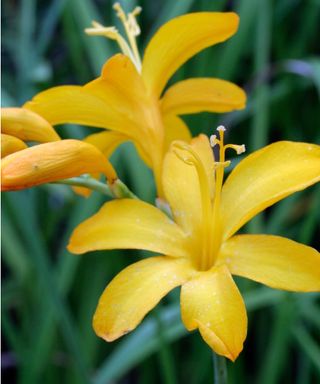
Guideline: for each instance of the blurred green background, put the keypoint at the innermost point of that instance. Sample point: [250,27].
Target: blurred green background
[49,295]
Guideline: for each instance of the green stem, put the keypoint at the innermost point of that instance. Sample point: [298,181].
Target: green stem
[117,190]
[220,369]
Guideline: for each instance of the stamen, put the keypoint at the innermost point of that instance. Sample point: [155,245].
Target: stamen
[213,140]
[238,148]
[132,30]
[219,174]
[132,22]
[110,33]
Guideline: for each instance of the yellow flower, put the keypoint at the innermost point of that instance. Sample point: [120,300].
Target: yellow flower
[200,246]
[23,167]
[127,98]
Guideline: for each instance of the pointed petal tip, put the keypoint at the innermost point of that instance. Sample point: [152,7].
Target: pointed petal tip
[108,335]
[217,345]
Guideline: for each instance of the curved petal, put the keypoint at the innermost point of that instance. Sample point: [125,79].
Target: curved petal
[181,38]
[203,94]
[52,161]
[10,144]
[106,141]
[111,101]
[131,224]
[175,129]
[265,177]
[182,187]
[134,292]
[211,302]
[272,260]
[27,125]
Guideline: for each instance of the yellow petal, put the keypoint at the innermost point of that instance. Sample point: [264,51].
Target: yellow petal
[175,129]
[52,161]
[181,38]
[26,125]
[111,101]
[272,260]
[134,292]
[265,177]
[10,144]
[107,141]
[182,187]
[211,302]
[203,94]
[129,223]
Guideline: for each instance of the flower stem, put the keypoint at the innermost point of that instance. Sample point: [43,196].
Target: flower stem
[117,190]
[220,369]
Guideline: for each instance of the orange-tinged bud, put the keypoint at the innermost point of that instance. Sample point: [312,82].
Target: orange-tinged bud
[51,162]
[27,125]
[10,144]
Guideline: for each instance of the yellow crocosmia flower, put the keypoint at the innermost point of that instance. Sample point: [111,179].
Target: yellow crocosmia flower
[26,125]
[128,97]
[199,246]
[54,161]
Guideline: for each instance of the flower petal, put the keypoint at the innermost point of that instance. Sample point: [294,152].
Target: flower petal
[203,94]
[129,223]
[181,187]
[106,141]
[111,101]
[10,144]
[272,260]
[175,129]
[134,292]
[181,38]
[27,125]
[211,302]
[52,161]
[265,177]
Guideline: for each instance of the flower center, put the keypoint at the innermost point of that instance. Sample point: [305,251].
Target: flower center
[211,230]
[132,30]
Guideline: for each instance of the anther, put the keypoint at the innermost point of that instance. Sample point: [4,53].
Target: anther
[238,148]
[241,149]
[133,25]
[136,11]
[221,128]
[120,12]
[222,164]
[213,140]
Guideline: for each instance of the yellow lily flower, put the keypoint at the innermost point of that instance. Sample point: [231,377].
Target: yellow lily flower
[56,159]
[127,98]
[199,245]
